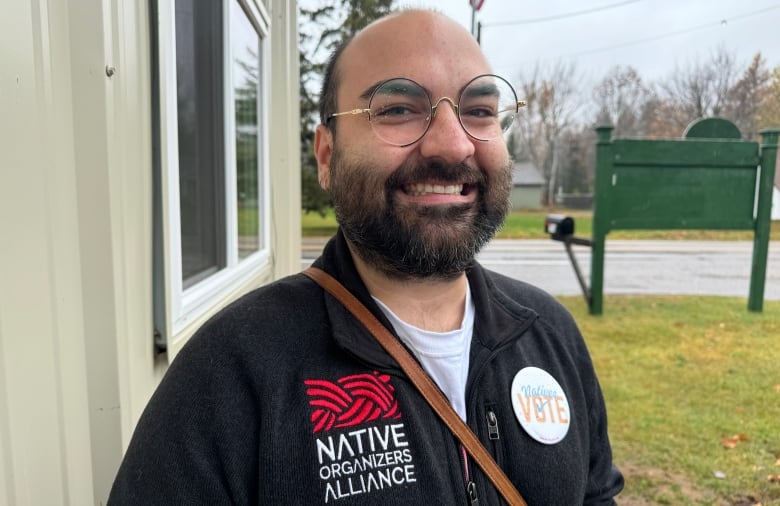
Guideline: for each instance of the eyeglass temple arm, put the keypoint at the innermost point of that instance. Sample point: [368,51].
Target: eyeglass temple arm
[352,112]
[518,105]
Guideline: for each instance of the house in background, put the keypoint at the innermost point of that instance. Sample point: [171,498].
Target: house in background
[527,186]
[149,175]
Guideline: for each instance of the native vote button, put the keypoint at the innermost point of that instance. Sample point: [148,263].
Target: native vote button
[540,405]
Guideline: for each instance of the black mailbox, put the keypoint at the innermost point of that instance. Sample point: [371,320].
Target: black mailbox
[559,226]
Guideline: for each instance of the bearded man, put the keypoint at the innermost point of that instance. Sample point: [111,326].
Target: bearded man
[285,398]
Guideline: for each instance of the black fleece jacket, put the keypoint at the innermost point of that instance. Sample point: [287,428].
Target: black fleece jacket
[283,398]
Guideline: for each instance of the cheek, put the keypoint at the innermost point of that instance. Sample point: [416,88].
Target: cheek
[354,175]
[373,158]
[492,156]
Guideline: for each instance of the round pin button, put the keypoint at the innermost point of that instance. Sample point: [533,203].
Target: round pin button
[540,405]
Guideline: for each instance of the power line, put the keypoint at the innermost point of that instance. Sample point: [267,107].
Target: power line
[711,24]
[559,16]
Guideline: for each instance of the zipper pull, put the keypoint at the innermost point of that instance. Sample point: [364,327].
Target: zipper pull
[471,492]
[492,423]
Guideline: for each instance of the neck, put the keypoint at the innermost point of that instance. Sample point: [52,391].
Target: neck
[430,304]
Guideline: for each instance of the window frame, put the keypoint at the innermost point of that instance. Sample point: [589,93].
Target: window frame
[176,307]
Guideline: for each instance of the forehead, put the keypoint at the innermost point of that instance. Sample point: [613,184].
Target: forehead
[428,48]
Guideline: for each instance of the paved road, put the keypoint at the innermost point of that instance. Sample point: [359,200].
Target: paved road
[631,267]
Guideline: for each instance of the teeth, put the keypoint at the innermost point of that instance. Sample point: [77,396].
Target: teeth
[424,189]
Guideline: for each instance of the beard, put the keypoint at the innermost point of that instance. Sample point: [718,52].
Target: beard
[414,241]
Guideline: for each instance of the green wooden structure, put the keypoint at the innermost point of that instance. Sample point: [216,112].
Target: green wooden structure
[708,180]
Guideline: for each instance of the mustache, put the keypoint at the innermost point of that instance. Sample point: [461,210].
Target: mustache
[435,170]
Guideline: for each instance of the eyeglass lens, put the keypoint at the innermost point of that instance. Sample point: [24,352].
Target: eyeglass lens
[400,109]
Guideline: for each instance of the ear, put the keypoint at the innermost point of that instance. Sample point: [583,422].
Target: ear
[323,149]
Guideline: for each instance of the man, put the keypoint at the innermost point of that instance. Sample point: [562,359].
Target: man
[284,398]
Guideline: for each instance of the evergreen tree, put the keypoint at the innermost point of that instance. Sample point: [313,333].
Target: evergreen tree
[322,27]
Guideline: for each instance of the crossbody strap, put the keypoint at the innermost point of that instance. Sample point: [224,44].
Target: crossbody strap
[423,383]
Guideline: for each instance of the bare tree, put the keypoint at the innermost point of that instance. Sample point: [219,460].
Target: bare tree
[322,25]
[701,89]
[620,98]
[578,160]
[553,101]
[658,118]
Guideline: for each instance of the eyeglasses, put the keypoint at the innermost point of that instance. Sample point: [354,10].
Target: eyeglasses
[400,111]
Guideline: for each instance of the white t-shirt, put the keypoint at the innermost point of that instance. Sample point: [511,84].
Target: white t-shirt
[443,355]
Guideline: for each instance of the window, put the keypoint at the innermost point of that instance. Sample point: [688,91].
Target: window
[211,195]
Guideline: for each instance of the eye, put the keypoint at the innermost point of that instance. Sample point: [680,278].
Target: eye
[394,110]
[479,112]
[397,113]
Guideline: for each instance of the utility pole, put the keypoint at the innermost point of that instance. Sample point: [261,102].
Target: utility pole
[475,28]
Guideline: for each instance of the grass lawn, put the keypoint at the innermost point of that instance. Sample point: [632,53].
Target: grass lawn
[693,392]
[530,225]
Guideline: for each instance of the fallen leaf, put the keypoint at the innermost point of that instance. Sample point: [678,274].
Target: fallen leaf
[733,440]
[773,478]
[777,388]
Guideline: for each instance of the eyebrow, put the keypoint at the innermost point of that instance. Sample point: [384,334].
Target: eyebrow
[366,95]
[371,89]
[481,91]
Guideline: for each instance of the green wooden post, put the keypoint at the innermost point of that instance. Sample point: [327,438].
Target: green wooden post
[763,217]
[600,217]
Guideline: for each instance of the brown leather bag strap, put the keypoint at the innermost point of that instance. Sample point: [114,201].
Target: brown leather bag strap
[423,382]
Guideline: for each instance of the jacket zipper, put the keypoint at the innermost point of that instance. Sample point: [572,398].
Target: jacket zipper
[471,487]
[492,425]
[492,419]
[493,435]
[471,490]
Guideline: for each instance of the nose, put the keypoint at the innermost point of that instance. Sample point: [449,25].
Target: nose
[445,137]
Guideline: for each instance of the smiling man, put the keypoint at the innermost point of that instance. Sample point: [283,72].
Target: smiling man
[284,398]
[433,184]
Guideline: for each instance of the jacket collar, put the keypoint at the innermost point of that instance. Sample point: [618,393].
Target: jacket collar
[499,318]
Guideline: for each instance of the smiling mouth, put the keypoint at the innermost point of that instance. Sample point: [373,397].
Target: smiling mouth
[420,189]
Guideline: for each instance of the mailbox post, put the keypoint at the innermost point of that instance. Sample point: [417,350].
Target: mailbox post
[561,228]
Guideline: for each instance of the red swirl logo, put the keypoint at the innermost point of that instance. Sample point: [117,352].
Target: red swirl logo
[351,400]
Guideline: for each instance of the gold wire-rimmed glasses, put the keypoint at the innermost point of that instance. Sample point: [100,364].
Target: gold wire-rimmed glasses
[400,110]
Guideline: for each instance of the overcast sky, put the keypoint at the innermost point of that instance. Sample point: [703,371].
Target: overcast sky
[653,36]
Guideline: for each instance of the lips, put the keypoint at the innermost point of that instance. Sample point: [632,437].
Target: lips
[419,189]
